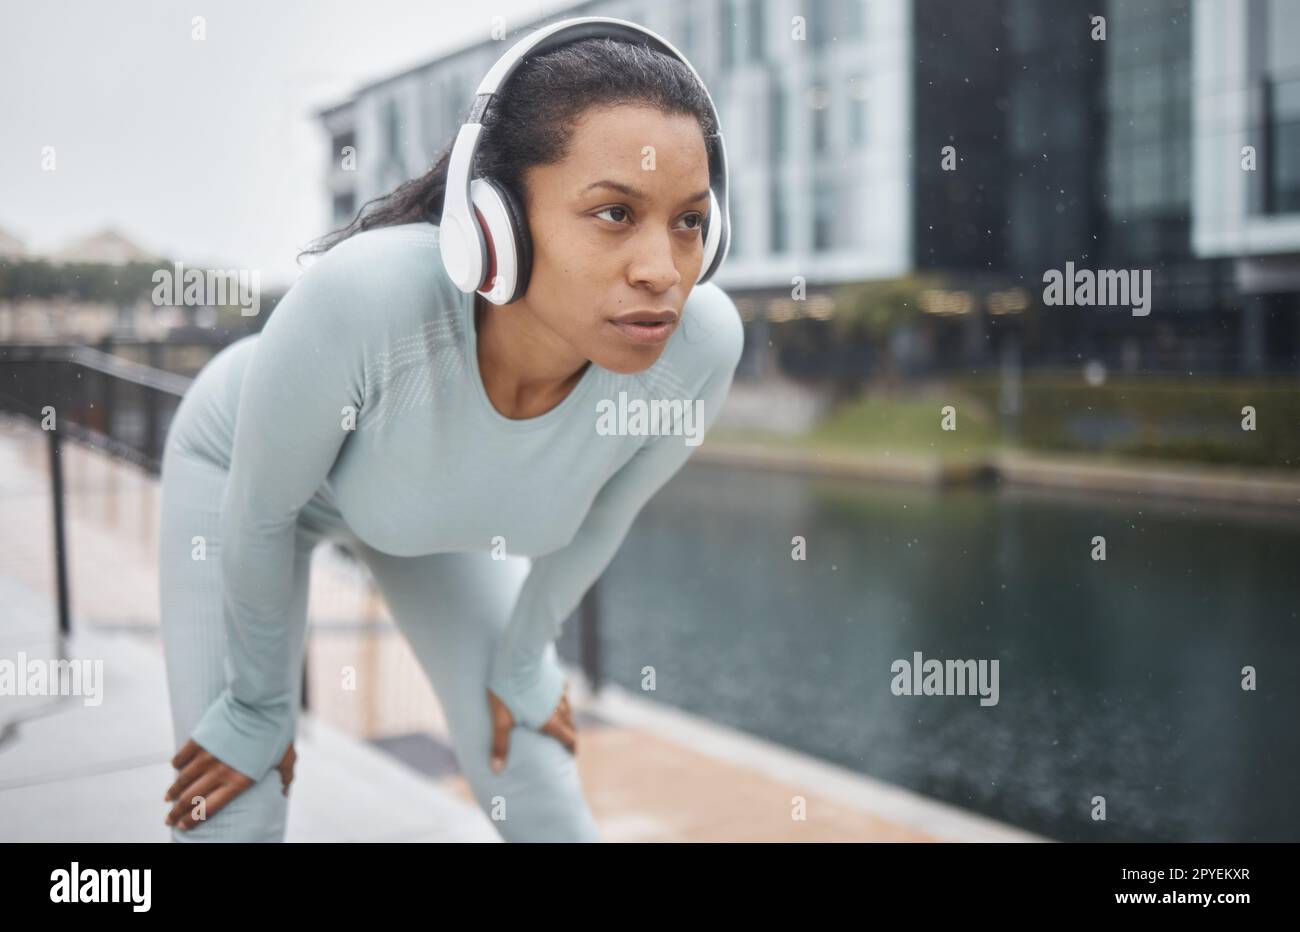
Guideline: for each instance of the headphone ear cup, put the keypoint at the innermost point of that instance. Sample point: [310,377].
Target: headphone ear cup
[523,240]
[509,245]
[508,254]
[712,238]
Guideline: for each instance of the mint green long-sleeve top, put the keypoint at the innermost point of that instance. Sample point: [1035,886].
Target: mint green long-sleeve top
[361,410]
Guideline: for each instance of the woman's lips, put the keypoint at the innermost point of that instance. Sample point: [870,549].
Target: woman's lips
[645,334]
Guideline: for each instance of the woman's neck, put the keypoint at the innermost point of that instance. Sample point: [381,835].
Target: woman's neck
[521,378]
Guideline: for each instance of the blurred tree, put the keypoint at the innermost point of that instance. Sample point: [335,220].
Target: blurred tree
[876,313]
[84,281]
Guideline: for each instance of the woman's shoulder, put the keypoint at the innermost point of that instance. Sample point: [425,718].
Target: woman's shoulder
[391,274]
[711,336]
[375,256]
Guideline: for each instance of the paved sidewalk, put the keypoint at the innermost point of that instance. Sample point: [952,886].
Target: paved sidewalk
[76,772]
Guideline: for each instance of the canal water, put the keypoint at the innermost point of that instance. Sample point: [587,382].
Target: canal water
[1120,682]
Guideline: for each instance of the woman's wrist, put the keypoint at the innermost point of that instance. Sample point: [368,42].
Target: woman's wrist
[251,741]
[530,690]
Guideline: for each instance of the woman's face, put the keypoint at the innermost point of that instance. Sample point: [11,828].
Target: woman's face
[617,228]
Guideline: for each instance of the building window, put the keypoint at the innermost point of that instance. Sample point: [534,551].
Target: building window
[344,207]
[393,124]
[755,123]
[778,221]
[1149,167]
[727,34]
[431,130]
[818,101]
[823,217]
[757,27]
[1282,155]
[735,248]
[857,110]
[342,141]
[456,105]
[394,165]
[858,216]
[1282,107]
[776,121]
[820,23]
[851,15]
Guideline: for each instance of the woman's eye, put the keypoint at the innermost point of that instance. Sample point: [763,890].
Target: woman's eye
[608,209]
[623,213]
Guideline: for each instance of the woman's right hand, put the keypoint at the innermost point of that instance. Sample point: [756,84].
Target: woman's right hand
[559,726]
[202,775]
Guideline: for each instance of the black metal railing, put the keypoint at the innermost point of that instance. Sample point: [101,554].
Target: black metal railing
[50,385]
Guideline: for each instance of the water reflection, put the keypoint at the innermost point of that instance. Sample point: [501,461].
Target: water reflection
[1118,679]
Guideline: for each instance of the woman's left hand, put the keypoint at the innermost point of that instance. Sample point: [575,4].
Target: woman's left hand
[559,726]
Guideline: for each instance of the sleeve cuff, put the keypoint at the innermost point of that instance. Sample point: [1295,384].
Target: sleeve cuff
[530,694]
[246,739]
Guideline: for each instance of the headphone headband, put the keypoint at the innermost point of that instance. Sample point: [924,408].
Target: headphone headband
[465,250]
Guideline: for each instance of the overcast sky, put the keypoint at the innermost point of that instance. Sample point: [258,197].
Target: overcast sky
[205,151]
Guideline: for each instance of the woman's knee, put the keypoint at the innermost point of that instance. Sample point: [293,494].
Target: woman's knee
[538,795]
[259,814]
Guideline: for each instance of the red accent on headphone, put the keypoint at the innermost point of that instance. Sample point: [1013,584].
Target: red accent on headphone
[490,279]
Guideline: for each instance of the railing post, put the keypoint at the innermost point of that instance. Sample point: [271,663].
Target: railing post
[60,539]
[110,384]
[589,637]
[151,407]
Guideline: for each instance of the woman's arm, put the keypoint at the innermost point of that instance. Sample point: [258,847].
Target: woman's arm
[525,672]
[308,366]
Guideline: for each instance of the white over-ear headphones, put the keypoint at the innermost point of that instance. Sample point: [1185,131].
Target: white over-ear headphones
[490,251]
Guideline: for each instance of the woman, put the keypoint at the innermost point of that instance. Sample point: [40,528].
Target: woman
[451,444]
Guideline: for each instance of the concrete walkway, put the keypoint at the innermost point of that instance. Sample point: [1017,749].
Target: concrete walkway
[73,771]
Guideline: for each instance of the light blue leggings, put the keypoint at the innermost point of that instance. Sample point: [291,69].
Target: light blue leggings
[451,608]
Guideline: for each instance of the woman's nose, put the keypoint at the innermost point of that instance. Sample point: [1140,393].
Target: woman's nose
[655,264]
